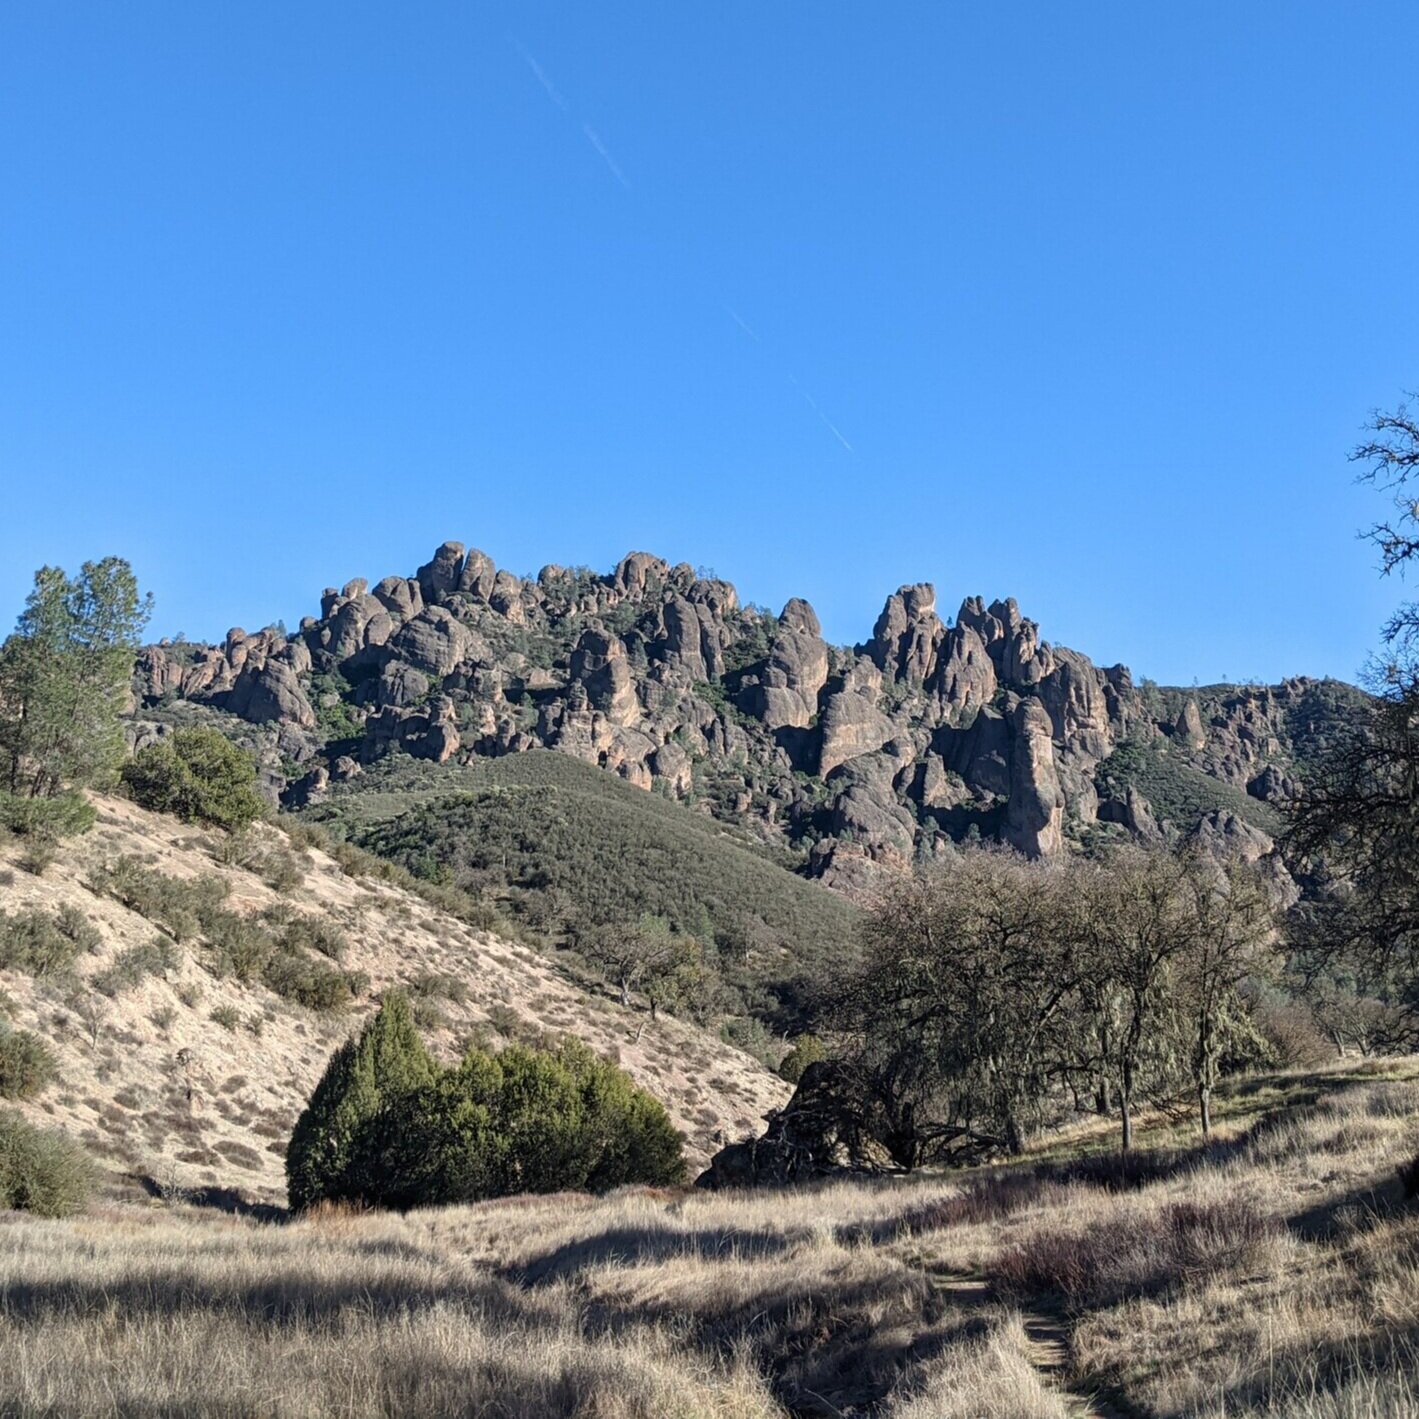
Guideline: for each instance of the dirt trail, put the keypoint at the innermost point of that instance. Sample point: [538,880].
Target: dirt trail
[1047,1332]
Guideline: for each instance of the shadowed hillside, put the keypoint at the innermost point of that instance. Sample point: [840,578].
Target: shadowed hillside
[560,843]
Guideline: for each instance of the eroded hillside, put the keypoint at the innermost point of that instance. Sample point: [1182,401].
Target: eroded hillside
[173,1067]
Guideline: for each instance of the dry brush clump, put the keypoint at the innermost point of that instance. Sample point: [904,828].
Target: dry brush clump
[1151,1248]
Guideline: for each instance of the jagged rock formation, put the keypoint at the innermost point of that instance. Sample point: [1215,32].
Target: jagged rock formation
[864,758]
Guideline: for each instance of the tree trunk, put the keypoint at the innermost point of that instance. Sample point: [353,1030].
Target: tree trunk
[1204,1066]
[625,993]
[1014,1136]
[1125,1105]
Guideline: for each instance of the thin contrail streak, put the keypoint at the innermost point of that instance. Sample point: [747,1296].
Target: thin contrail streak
[813,405]
[544,80]
[594,138]
[557,97]
[739,321]
[539,73]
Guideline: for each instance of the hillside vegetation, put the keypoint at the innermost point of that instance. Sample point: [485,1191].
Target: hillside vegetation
[188,987]
[1179,792]
[1273,1275]
[561,843]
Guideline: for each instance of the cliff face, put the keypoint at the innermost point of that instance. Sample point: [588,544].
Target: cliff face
[863,757]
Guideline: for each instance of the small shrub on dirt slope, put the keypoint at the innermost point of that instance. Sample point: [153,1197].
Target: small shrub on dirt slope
[35,942]
[26,1065]
[41,1170]
[135,964]
[297,976]
[182,907]
[197,775]
[316,934]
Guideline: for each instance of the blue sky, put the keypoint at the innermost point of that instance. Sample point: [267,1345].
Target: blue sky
[1082,304]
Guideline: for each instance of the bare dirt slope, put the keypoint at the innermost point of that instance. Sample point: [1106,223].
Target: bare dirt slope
[154,1085]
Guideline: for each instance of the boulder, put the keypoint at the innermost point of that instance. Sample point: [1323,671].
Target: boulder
[400,596]
[435,642]
[683,645]
[440,576]
[506,598]
[673,767]
[401,686]
[1133,812]
[965,676]
[852,725]
[819,1132]
[786,696]
[1034,818]
[270,694]
[599,665]
[1187,728]
[638,570]
[908,634]
[478,575]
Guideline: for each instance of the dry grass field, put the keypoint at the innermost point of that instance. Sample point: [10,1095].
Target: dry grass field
[193,1078]
[1276,1274]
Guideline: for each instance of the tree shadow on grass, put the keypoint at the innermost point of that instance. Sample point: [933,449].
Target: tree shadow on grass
[218,1199]
[634,1246]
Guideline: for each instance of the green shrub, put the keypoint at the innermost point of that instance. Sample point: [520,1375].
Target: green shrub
[280,870]
[316,934]
[135,964]
[26,1064]
[227,1016]
[65,815]
[430,985]
[181,906]
[79,929]
[387,1062]
[749,1033]
[388,1127]
[34,942]
[197,775]
[239,946]
[37,855]
[807,1049]
[296,976]
[41,1170]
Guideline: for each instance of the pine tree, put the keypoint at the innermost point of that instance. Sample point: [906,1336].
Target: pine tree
[330,1155]
[64,678]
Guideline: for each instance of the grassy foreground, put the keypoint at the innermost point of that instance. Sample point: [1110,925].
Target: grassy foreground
[1277,1274]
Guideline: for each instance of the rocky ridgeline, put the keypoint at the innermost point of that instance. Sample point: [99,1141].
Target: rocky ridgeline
[874,755]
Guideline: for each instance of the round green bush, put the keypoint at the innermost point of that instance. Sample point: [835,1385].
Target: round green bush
[389,1127]
[197,775]
[26,1065]
[42,1170]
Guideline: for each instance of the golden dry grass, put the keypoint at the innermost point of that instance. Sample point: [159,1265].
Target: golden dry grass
[1276,1275]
